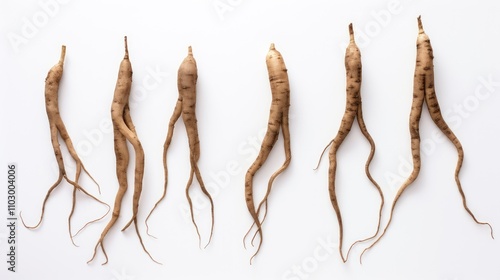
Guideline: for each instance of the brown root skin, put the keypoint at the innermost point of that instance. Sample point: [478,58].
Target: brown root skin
[422,63]
[128,130]
[288,158]
[122,159]
[173,119]
[194,167]
[367,172]
[187,77]
[124,130]
[353,110]
[58,129]
[436,116]
[353,67]
[424,91]
[278,118]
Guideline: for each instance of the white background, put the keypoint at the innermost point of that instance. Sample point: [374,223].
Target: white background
[431,237]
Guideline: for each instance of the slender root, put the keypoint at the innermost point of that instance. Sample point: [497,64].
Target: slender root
[322,153]
[188,186]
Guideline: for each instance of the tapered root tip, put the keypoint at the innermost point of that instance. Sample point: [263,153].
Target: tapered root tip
[190,50]
[351,33]
[420,26]
[272,47]
[147,230]
[251,259]
[30,227]
[22,220]
[63,54]
[93,256]
[126,47]
[491,230]
[361,256]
